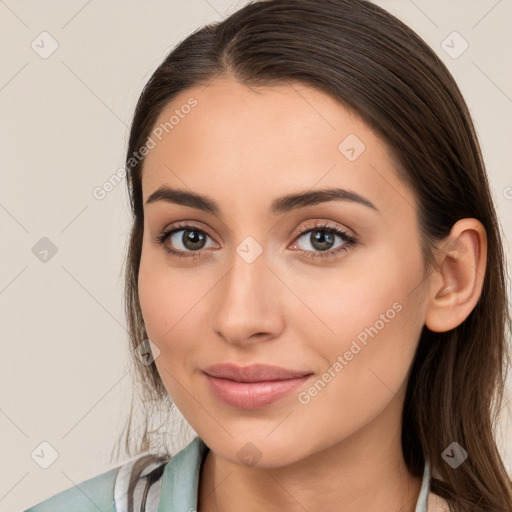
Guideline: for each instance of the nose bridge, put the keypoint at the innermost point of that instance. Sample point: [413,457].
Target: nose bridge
[247,300]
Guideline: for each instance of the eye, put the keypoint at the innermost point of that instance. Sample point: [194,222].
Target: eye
[184,241]
[322,240]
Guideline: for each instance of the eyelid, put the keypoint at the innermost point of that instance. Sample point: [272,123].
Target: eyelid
[325,224]
[184,224]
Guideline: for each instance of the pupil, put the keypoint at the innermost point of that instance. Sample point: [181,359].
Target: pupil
[192,238]
[322,240]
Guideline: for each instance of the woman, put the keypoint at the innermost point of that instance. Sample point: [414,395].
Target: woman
[316,259]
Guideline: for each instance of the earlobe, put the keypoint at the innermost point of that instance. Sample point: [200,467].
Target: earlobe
[456,285]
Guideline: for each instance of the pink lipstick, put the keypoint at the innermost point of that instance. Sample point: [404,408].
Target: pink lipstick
[254,386]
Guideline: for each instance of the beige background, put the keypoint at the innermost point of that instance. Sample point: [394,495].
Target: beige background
[64,378]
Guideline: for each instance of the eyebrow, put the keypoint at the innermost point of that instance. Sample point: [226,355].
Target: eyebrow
[282,204]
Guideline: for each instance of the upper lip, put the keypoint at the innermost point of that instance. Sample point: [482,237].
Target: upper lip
[253,372]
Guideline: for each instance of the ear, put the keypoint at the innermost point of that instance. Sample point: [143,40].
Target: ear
[456,285]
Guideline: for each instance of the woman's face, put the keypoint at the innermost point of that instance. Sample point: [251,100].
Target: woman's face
[267,280]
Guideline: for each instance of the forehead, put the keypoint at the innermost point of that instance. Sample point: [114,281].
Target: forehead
[261,142]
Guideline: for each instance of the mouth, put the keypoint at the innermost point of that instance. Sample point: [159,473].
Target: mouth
[252,395]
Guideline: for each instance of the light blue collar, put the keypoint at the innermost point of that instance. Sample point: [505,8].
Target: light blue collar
[180,479]
[421,505]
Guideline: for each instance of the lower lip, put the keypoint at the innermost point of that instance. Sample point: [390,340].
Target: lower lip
[252,395]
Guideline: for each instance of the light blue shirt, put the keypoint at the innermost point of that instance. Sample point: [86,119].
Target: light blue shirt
[180,483]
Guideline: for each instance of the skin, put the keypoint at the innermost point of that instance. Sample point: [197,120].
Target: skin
[341,451]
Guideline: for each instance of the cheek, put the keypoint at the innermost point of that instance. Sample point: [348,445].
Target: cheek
[165,294]
[362,379]
[168,306]
[364,335]
[174,304]
[365,365]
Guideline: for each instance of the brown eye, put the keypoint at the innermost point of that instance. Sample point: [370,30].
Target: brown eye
[184,241]
[191,239]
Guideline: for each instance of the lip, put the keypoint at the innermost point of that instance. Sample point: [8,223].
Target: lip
[254,386]
[252,373]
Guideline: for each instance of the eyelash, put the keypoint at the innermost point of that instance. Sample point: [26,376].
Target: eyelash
[349,240]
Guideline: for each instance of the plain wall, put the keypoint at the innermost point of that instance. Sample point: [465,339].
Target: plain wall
[64,119]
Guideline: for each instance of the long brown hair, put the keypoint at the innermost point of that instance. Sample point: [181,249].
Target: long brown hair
[371,62]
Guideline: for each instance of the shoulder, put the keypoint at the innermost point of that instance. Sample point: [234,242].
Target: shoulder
[94,494]
[437,504]
[140,481]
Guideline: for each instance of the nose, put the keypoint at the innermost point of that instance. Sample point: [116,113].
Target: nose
[248,307]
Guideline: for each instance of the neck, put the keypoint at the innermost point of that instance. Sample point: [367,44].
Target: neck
[364,472]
